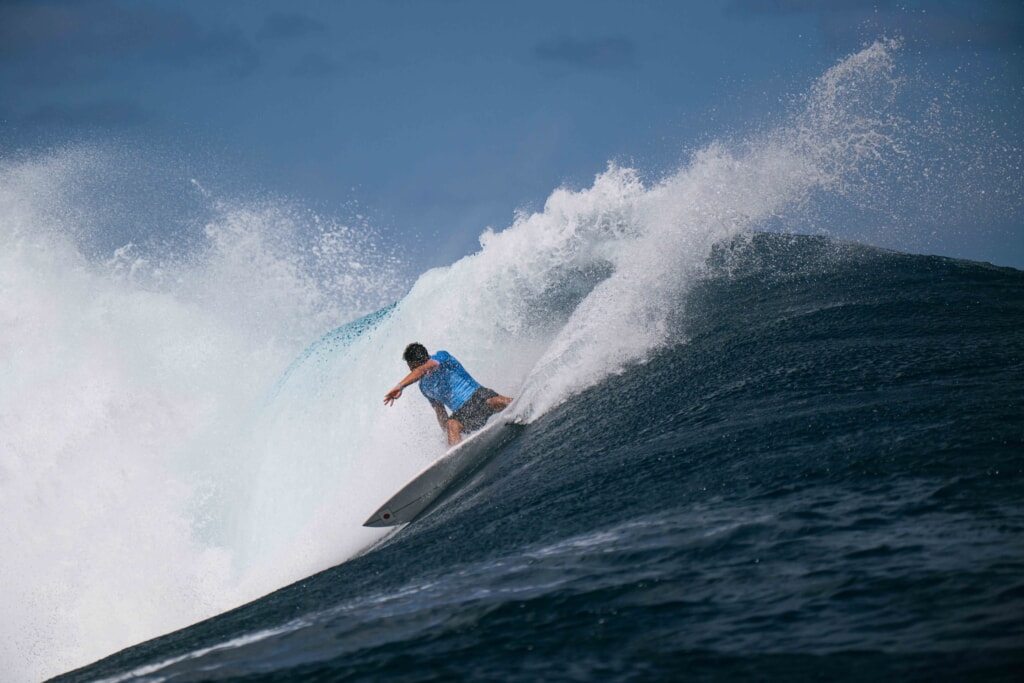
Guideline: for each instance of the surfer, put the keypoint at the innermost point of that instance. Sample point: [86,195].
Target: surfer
[448,386]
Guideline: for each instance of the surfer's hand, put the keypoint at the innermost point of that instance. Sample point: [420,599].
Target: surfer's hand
[390,397]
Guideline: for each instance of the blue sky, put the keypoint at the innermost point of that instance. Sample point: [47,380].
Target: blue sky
[438,118]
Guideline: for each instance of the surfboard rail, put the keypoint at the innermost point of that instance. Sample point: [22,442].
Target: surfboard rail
[434,480]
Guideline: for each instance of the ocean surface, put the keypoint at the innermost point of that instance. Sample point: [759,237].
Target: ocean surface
[819,478]
[750,450]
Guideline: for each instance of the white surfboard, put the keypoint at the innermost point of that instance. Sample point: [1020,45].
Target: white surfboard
[428,485]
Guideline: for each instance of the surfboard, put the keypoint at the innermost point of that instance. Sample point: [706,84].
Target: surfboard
[451,468]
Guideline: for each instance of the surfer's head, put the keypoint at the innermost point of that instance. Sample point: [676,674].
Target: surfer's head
[416,355]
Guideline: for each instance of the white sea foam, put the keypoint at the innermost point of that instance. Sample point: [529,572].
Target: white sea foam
[153,471]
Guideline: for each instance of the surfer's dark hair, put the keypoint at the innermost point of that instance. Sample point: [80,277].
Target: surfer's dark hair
[416,353]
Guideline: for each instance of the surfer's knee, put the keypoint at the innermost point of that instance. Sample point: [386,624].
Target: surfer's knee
[498,403]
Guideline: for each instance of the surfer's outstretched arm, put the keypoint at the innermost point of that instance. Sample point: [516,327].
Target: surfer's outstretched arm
[415,376]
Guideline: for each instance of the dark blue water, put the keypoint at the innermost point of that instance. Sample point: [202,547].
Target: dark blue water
[823,479]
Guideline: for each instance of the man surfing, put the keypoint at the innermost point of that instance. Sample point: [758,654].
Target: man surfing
[448,386]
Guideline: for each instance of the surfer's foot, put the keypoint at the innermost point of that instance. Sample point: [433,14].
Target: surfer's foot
[498,403]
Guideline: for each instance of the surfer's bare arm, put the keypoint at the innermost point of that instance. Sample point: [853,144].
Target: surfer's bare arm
[415,376]
[442,414]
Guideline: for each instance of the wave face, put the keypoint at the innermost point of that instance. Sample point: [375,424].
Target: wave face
[822,480]
[725,430]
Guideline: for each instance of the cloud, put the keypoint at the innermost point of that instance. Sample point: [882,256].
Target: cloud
[315,65]
[613,52]
[53,42]
[226,50]
[798,6]
[104,114]
[848,24]
[282,26]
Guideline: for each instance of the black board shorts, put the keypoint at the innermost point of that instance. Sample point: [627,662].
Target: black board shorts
[474,412]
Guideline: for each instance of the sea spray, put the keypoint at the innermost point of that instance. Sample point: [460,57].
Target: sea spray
[155,469]
[840,131]
[125,380]
[548,307]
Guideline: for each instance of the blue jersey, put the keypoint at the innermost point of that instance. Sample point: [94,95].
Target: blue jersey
[449,384]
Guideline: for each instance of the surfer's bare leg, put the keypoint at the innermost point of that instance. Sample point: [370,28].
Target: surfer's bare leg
[454,432]
[498,403]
